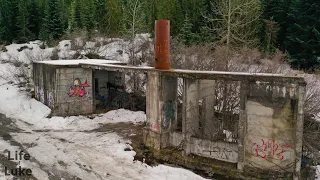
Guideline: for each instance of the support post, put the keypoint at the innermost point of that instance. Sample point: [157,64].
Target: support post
[242,124]
[299,131]
[190,116]
[161,109]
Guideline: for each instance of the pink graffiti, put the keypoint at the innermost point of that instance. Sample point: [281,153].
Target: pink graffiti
[78,89]
[155,127]
[262,148]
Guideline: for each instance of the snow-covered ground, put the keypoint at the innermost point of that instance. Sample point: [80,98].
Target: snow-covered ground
[63,147]
[67,148]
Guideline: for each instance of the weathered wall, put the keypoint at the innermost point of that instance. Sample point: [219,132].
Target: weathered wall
[270,136]
[153,98]
[44,77]
[223,151]
[161,102]
[209,125]
[269,131]
[190,111]
[168,104]
[74,91]
[161,109]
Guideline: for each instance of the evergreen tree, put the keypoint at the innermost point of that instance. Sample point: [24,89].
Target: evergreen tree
[79,14]
[89,17]
[9,24]
[71,18]
[55,20]
[6,14]
[276,12]
[194,9]
[14,6]
[1,28]
[101,11]
[186,35]
[171,10]
[112,17]
[207,34]
[303,39]
[24,34]
[150,10]
[65,5]
[34,21]
[52,23]
[44,33]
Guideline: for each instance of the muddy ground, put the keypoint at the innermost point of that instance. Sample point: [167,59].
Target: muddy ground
[128,131]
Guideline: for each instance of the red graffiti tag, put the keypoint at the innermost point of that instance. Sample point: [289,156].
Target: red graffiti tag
[262,148]
[155,127]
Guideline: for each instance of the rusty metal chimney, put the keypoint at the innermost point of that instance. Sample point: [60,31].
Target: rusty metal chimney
[162,44]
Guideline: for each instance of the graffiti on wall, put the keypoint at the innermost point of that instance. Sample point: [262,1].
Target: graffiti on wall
[50,100]
[117,93]
[78,89]
[117,81]
[111,93]
[217,150]
[167,113]
[36,92]
[162,48]
[39,93]
[155,126]
[268,148]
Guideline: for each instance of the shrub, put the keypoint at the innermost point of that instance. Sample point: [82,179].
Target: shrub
[23,47]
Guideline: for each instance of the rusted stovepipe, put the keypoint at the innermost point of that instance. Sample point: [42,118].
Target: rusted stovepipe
[162,44]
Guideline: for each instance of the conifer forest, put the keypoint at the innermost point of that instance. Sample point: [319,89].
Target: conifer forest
[292,26]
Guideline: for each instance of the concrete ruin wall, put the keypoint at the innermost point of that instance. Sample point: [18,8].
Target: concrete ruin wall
[69,90]
[268,133]
[73,91]
[44,78]
[270,136]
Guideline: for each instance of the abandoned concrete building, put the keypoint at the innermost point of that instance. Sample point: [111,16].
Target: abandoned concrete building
[264,132]
[243,125]
[68,89]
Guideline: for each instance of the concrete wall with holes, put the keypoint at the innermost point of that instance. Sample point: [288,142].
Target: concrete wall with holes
[266,137]
[103,81]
